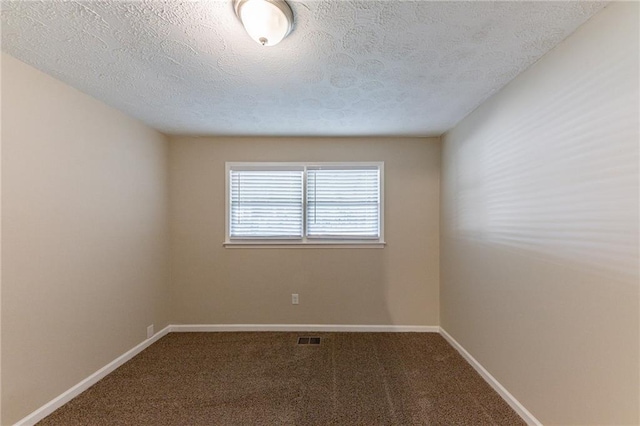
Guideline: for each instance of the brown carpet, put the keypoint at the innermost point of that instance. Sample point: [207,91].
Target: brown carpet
[268,379]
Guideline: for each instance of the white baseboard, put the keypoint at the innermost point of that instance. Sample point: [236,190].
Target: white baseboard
[67,396]
[502,391]
[306,327]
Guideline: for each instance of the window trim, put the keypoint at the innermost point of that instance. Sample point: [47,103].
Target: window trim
[304,242]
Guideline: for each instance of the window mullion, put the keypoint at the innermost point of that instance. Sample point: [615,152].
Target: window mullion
[304,204]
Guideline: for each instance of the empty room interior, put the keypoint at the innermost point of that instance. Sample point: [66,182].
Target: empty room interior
[314,212]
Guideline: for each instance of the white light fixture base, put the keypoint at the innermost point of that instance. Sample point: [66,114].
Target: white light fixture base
[266,21]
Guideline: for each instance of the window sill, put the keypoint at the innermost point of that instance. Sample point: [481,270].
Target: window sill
[305,245]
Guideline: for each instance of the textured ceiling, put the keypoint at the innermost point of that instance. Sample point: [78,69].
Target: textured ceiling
[348,68]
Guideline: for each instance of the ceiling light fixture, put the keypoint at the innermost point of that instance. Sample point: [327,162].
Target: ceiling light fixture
[266,21]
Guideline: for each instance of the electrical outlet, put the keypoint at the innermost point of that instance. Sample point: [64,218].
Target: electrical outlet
[294,299]
[150,331]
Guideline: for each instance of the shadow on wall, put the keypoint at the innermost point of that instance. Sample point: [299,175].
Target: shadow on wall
[569,194]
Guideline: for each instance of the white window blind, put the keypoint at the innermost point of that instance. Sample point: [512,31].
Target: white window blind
[343,202]
[266,204]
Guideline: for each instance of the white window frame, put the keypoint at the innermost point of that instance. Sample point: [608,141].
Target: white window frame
[303,242]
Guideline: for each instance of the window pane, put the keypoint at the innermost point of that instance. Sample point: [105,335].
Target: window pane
[343,202]
[266,204]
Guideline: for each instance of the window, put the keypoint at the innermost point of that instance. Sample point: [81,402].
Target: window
[304,204]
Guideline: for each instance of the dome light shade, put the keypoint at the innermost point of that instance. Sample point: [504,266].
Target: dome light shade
[266,21]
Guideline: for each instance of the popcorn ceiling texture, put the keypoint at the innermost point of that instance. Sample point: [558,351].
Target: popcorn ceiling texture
[348,67]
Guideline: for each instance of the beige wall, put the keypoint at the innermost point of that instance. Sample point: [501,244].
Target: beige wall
[85,236]
[216,285]
[540,229]
[0,240]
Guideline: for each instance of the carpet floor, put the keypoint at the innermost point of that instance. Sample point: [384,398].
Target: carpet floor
[268,379]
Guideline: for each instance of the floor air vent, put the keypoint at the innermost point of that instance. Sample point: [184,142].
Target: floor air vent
[308,340]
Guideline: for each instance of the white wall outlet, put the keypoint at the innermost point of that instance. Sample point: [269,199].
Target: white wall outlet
[294,299]
[150,331]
